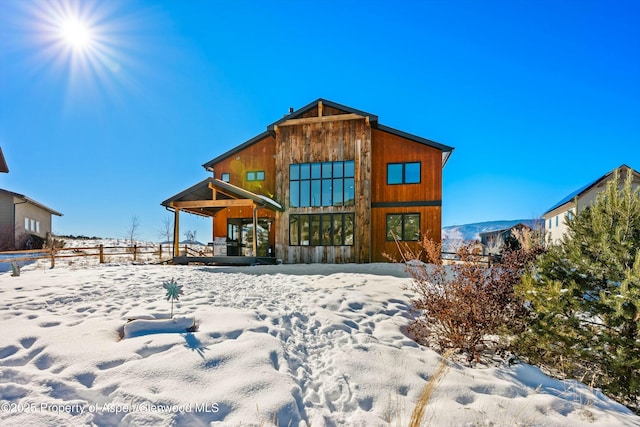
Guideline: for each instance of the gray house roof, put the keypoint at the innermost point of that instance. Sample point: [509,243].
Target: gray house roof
[31,201]
[373,119]
[202,191]
[579,192]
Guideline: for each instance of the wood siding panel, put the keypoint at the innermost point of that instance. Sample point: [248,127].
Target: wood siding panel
[257,157]
[389,148]
[322,142]
[430,223]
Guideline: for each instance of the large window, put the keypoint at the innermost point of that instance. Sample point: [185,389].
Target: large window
[321,230]
[403,226]
[403,173]
[322,184]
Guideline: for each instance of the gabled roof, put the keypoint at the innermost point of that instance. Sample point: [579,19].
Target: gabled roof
[31,201]
[373,119]
[579,192]
[310,106]
[202,191]
[237,149]
[3,164]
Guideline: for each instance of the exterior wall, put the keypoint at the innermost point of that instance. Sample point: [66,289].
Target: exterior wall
[322,142]
[329,141]
[424,198]
[555,222]
[555,230]
[27,210]
[6,210]
[7,222]
[257,157]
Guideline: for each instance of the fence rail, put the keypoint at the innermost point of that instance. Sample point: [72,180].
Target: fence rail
[161,252]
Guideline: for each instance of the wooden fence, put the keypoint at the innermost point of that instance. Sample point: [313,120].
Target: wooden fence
[160,253]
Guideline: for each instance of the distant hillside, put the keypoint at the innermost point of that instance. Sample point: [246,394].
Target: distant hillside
[453,235]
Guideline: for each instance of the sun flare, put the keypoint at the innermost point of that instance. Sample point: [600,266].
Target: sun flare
[75,33]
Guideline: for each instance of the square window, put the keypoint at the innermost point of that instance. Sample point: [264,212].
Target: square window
[411,229]
[294,172]
[260,176]
[349,169]
[294,231]
[316,170]
[327,170]
[394,226]
[305,171]
[226,177]
[412,173]
[394,173]
[251,176]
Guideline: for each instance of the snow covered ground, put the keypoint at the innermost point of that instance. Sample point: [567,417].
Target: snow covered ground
[288,345]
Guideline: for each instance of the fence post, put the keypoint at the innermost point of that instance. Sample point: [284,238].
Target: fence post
[101,254]
[160,253]
[53,257]
[186,250]
[135,252]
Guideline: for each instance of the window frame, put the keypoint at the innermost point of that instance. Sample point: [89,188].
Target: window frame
[403,178]
[255,174]
[336,237]
[402,216]
[322,184]
[225,177]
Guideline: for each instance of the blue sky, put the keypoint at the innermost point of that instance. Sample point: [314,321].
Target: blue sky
[537,97]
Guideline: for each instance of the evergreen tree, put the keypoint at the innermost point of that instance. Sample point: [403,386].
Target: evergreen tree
[585,296]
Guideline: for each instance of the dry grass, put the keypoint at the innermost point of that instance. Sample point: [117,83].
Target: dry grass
[427,392]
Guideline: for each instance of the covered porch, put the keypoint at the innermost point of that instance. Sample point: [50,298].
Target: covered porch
[241,238]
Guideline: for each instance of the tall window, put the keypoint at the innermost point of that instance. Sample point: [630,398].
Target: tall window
[403,226]
[321,230]
[403,173]
[322,184]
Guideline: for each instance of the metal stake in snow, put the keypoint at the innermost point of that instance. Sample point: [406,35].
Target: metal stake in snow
[173,292]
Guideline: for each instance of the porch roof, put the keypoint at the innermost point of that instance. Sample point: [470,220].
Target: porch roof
[211,195]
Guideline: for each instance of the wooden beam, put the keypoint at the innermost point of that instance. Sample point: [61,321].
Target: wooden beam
[176,232]
[255,230]
[323,119]
[319,108]
[220,203]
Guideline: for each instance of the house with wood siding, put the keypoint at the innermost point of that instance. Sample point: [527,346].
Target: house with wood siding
[324,184]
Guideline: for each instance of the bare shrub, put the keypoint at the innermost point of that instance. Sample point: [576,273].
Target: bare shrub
[459,305]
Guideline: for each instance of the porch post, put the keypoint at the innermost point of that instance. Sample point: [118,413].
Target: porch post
[176,232]
[255,230]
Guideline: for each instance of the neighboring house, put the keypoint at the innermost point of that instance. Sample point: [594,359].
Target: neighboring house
[21,218]
[326,183]
[555,219]
[494,241]
[3,164]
